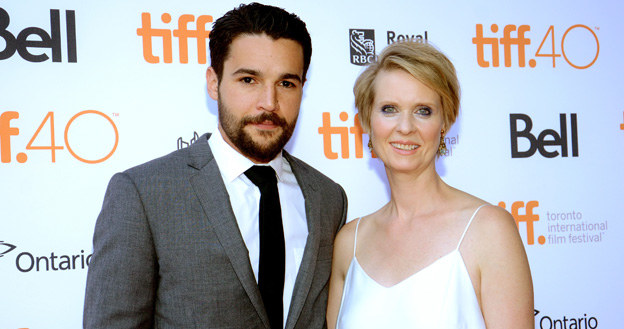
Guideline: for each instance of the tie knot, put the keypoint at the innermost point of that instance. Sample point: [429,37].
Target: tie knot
[261,176]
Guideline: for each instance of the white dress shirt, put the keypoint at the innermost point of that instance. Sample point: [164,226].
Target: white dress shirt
[245,201]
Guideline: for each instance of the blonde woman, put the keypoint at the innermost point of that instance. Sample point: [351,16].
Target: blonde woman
[433,256]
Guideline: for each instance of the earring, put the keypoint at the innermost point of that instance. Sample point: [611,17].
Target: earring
[370,146]
[442,148]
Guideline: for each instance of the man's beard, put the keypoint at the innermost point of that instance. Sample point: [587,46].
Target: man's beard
[259,151]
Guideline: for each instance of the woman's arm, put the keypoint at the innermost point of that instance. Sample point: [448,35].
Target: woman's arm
[506,284]
[343,253]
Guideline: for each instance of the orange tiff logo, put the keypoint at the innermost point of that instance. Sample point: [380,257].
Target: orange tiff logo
[515,41]
[183,33]
[528,217]
[7,130]
[327,131]
[520,41]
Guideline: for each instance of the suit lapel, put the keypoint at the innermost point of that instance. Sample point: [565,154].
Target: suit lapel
[210,189]
[308,263]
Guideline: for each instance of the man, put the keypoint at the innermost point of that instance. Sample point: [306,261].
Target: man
[181,241]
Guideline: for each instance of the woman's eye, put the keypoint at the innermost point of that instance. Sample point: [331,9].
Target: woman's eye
[388,109]
[423,111]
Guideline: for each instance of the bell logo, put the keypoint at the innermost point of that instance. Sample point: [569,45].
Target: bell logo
[528,217]
[183,33]
[546,138]
[327,131]
[23,43]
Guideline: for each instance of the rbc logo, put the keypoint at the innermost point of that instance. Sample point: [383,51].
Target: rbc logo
[546,138]
[362,46]
[393,37]
[51,40]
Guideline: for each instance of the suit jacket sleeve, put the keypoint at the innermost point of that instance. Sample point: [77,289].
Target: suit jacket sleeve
[122,277]
[345,207]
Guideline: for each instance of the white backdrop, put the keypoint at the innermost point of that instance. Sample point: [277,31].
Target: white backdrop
[103,107]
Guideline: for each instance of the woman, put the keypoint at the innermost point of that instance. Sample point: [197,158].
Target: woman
[434,256]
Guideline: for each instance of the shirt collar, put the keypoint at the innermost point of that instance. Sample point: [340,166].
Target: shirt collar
[232,164]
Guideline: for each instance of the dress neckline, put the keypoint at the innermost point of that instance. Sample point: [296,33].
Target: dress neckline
[409,277]
[447,255]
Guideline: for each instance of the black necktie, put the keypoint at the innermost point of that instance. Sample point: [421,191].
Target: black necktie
[272,250]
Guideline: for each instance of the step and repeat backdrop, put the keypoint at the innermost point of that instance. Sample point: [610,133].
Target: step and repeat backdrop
[91,88]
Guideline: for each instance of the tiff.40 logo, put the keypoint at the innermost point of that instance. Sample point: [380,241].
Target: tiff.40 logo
[183,33]
[528,217]
[327,131]
[7,130]
[579,56]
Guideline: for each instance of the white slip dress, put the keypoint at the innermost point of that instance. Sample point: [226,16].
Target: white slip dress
[440,295]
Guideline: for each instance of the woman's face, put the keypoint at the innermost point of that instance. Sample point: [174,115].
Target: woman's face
[406,120]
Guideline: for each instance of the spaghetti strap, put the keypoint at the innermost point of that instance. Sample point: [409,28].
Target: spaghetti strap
[357,224]
[468,225]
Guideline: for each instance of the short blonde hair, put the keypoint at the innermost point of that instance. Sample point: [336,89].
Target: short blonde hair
[422,61]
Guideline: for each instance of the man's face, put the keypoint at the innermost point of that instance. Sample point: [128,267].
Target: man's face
[259,94]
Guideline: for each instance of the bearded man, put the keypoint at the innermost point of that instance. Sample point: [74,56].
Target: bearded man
[231,232]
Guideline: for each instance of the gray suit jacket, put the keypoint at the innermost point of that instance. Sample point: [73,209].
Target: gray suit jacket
[168,252]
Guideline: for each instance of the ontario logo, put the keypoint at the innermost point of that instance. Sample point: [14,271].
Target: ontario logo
[576,321]
[362,43]
[26,262]
[6,248]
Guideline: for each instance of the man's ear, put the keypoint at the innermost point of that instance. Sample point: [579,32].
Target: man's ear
[213,83]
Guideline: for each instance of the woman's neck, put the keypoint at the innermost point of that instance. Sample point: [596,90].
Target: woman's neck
[415,194]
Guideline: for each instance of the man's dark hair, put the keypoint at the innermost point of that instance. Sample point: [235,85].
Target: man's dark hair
[256,18]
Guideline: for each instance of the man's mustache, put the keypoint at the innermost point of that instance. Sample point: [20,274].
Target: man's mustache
[266,116]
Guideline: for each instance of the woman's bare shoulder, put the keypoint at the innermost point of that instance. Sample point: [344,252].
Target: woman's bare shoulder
[347,232]
[495,222]
[491,226]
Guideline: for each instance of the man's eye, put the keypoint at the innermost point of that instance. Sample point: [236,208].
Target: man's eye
[287,84]
[247,80]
